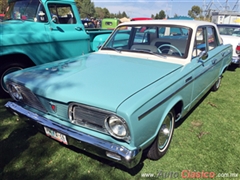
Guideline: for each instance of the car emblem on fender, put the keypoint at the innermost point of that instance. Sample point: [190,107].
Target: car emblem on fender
[53,107]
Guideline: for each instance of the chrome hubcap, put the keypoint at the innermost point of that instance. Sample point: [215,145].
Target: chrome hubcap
[165,132]
[218,82]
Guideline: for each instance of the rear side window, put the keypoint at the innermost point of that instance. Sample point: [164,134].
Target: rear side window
[212,42]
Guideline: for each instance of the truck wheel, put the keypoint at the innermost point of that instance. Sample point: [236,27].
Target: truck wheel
[4,70]
[216,86]
[164,137]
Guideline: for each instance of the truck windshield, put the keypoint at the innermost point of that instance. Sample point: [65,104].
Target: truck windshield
[22,10]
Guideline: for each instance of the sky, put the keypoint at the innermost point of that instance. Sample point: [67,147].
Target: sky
[145,8]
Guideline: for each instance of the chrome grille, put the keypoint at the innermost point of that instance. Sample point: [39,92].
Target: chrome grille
[88,117]
[30,99]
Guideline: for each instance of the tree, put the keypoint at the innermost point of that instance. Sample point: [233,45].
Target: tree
[124,14]
[86,8]
[162,14]
[3,6]
[99,13]
[106,13]
[195,12]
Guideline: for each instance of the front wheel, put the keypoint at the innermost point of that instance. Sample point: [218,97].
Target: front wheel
[164,137]
[4,70]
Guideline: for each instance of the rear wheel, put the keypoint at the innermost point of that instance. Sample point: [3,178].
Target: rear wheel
[217,84]
[164,137]
[4,70]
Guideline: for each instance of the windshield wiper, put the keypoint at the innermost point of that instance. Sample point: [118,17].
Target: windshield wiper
[149,52]
[110,48]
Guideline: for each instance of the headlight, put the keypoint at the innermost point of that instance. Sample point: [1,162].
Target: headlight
[117,127]
[14,92]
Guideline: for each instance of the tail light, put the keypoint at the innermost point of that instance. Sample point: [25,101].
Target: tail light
[238,49]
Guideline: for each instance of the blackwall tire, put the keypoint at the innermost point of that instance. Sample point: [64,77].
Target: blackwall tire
[4,70]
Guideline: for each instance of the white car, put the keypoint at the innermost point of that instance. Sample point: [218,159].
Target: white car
[230,34]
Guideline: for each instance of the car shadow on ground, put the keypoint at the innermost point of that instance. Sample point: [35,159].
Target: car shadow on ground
[16,143]
[132,171]
[232,67]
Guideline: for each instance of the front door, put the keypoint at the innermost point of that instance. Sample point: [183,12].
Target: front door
[67,34]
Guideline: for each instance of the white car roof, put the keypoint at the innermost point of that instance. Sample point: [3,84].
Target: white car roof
[189,23]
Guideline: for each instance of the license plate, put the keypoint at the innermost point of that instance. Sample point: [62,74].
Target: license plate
[56,135]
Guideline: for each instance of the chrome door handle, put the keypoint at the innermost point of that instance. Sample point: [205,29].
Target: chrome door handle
[78,28]
[214,61]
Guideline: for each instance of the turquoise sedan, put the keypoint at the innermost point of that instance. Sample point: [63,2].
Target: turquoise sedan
[124,99]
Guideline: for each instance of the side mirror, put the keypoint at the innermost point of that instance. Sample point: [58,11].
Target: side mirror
[202,56]
[41,15]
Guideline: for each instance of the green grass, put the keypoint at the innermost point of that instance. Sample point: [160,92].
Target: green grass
[207,140]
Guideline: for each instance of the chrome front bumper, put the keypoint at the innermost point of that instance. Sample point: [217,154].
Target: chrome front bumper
[91,144]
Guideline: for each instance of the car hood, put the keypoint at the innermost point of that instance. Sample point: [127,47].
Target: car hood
[99,80]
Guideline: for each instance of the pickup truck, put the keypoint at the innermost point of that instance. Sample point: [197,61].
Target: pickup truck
[34,32]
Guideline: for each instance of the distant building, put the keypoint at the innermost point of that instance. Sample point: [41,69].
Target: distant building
[226,17]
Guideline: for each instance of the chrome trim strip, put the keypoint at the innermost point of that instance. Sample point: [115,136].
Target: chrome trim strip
[129,158]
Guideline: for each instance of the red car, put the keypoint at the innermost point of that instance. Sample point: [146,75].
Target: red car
[140,18]
[1,17]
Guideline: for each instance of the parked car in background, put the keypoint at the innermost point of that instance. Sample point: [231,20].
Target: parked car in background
[88,24]
[1,17]
[140,18]
[110,23]
[124,99]
[230,34]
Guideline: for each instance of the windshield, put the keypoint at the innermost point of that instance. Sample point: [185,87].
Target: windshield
[22,10]
[155,39]
[229,30]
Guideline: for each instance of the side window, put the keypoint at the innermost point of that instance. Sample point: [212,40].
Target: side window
[200,41]
[175,32]
[62,14]
[161,31]
[142,35]
[120,39]
[212,43]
